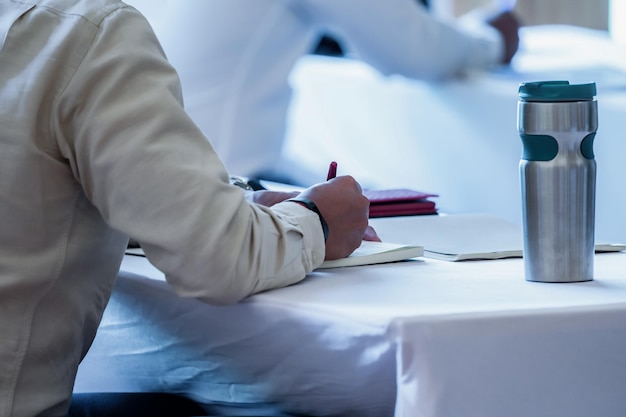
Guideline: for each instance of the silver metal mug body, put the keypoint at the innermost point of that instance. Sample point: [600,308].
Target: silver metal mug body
[558,182]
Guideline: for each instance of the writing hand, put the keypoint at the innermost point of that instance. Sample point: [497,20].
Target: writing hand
[371,235]
[346,211]
[508,26]
[269,198]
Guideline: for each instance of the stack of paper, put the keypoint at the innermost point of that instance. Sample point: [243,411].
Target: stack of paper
[367,254]
[399,202]
[461,236]
[376,253]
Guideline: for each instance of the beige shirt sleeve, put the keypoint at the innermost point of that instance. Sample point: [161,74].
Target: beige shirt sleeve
[152,174]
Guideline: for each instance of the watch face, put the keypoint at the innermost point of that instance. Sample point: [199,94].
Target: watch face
[240,182]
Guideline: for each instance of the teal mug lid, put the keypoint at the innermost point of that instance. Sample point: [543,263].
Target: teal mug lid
[556,91]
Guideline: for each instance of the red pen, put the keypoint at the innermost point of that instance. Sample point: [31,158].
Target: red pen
[332,171]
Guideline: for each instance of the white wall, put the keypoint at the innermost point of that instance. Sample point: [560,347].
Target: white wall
[617,20]
[593,14]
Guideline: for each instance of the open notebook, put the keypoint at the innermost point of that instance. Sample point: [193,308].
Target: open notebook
[367,254]
[376,253]
[459,237]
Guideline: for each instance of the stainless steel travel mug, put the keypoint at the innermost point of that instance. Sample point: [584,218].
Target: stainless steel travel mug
[557,122]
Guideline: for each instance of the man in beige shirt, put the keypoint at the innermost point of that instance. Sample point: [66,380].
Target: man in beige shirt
[95,146]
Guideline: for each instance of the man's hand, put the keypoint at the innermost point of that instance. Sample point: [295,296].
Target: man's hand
[371,235]
[269,198]
[346,211]
[508,25]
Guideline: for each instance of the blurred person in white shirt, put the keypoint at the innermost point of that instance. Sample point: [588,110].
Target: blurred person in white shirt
[235,56]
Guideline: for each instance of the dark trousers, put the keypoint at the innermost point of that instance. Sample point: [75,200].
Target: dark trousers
[133,404]
[150,404]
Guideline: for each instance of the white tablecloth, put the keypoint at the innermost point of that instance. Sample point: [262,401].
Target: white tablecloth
[448,339]
[262,355]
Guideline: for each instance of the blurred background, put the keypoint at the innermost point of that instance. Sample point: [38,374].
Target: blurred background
[607,15]
[459,139]
[594,14]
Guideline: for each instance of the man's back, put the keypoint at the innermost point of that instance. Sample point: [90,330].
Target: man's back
[47,284]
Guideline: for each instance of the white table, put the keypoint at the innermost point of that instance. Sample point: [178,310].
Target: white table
[427,338]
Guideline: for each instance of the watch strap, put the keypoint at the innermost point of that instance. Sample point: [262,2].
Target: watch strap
[313,207]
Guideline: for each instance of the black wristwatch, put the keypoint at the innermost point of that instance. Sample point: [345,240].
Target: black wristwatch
[250,184]
[313,207]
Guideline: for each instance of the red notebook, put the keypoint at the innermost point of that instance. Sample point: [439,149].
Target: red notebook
[399,202]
